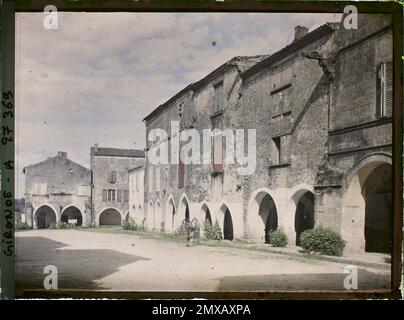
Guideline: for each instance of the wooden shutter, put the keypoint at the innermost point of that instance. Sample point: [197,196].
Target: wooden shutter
[126,196]
[104,195]
[113,177]
[218,153]
[389,88]
[119,196]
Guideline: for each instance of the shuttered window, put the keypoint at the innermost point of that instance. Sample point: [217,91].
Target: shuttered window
[219,98]
[217,153]
[112,176]
[104,195]
[389,89]
[119,195]
[181,174]
[384,90]
[126,196]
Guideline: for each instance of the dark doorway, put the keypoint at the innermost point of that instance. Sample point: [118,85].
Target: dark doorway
[45,217]
[110,217]
[207,215]
[269,215]
[304,216]
[227,226]
[378,196]
[72,215]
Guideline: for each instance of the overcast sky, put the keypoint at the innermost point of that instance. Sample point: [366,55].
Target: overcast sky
[99,74]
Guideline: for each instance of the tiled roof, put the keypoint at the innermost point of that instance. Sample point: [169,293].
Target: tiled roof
[115,152]
[239,62]
[321,31]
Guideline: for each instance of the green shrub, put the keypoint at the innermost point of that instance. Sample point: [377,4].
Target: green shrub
[323,241]
[62,225]
[22,226]
[53,226]
[212,232]
[278,238]
[130,225]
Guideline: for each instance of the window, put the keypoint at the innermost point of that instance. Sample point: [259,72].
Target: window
[112,160]
[125,195]
[181,174]
[83,190]
[219,98]
[217,153]
[277,151]
[112,177]
[384,90]
[40,188]
[281,124]
[108,195]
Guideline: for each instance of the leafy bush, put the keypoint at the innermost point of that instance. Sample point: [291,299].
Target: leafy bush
[88,226]
[130,225]
[278,238]
[62,225]
[323,241]
[22,226]
[212,232]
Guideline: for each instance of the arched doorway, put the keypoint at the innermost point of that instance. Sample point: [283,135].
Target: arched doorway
[227,223]
[110,217]
[157,221]
[72,215]
[378,194]
[127,216]
[304,215]
[45,217]
[368,209]
[263,216]
[183,211]
[170,218]
[149,217]
[206,214]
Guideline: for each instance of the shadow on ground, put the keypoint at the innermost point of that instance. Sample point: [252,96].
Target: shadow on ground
[293,282]
[77,269]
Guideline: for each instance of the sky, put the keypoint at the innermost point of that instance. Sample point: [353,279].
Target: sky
[95,77]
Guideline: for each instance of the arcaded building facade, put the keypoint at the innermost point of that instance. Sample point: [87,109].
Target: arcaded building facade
[321,108]
[110,183]
[57,190]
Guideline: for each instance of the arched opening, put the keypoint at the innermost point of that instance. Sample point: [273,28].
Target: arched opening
[149,217]
[206,214]
[170,220]
[72,215]
[368,216]
[158,224]
[183,210]
[378,194]
[45,217]
[227,223]
[110,217]
[265,217]
[304,215]
[127,216]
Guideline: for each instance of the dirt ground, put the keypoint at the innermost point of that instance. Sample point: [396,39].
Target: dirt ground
[121,262]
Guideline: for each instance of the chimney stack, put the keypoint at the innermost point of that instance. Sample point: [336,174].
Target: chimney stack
[300,31]
[62,154]
[96,147]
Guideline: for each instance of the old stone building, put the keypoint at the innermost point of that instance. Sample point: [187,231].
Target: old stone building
[321,108]
[110,183]
[57,190]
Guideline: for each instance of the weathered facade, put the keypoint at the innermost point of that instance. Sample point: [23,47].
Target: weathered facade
[136,193]
[321,108]
[110,183]
[57,190]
